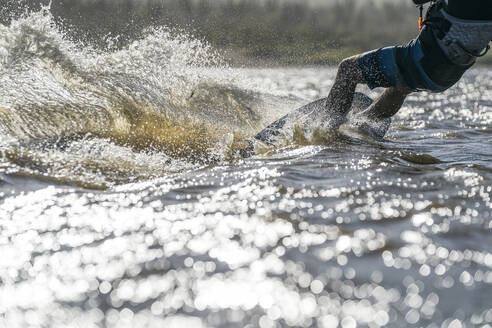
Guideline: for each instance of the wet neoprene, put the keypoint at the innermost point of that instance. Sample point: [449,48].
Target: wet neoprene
[461,40]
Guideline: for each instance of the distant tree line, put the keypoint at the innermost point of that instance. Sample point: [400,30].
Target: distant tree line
[272,31]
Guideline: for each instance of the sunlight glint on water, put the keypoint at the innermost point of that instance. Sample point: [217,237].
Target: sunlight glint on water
[122,205]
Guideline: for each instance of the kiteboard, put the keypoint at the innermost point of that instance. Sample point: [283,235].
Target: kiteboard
[316,113]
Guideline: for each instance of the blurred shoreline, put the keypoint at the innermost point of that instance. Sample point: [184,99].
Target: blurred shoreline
[248,33]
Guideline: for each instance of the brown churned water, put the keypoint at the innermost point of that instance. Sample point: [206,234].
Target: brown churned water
[123,204]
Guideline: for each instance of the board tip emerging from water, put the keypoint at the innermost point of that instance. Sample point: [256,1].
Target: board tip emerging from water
[312,118]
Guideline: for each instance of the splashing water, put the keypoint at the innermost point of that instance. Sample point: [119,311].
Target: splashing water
[166,92]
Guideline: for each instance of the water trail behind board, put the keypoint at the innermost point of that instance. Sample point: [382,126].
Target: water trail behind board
[167,93]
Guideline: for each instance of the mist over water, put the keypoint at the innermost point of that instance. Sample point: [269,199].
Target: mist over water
[123,202]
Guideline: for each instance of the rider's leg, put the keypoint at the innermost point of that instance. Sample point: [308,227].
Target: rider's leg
[342,93]
[388,103]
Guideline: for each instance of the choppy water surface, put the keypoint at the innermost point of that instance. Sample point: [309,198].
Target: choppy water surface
[123,204]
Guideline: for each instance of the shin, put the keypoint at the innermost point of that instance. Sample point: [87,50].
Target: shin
[388,103]
[342,93]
